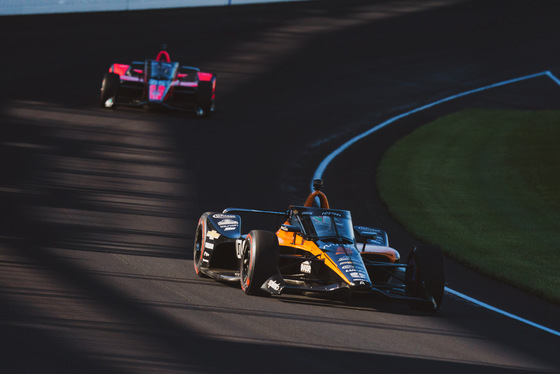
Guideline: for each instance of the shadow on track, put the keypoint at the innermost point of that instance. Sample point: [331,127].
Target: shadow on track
[83,189]
[57,309]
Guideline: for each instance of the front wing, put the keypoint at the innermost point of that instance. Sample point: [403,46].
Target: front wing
[277,285]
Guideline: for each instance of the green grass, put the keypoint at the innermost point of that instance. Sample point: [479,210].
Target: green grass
[485,186]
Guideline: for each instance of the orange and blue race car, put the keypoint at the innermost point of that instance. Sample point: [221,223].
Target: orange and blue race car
[159,82]
[315,250]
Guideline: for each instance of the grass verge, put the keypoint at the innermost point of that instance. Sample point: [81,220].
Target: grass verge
[485,186]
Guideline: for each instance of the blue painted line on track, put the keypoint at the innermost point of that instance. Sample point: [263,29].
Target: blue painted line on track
[553,77]
[327,160]
[323,165]
[502,312]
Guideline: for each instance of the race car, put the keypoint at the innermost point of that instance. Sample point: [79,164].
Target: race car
[159,83]
[315,250]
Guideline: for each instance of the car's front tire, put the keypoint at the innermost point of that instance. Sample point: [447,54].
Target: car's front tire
[425,277]
[259,261]
[205,98]
[109,88]
[199,239]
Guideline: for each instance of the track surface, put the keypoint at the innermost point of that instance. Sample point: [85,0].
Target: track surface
[99,207]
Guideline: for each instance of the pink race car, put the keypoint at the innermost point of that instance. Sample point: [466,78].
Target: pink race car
[159,82]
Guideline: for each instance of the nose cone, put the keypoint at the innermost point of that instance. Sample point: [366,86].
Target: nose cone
[360,285]
[157,92]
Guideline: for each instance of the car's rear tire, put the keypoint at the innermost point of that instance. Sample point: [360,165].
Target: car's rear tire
[109,88]
[205,98]
[199,239]
[425,277]
[259,261]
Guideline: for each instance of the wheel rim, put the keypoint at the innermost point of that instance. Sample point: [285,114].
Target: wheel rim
[109,103]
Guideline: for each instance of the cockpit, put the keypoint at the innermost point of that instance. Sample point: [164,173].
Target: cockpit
[322,224]
[161,70]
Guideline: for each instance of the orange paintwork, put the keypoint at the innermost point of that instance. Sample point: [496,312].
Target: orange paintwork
[392,254]
[291,239]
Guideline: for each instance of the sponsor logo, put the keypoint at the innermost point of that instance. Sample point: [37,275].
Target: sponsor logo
[229,228]
[273,284]
[336,214]
[346,267]
[209,245]
[364,228]
[222,216]
[227,222]
[213,234]
[358,275]
[206,254]
[343,258]
[305,267]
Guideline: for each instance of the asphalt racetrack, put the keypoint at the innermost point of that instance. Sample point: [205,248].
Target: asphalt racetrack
[99,206]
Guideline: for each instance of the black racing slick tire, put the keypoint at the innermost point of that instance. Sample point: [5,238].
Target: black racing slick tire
[205,97]
[109,88]
[425,278]
[199,241]
[259,261]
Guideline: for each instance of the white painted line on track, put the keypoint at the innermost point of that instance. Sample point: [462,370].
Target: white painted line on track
[327,160]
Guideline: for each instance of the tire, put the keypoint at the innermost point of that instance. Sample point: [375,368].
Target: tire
[199,241]
[109,88]
[425,277]
[259,261]
[205,97]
